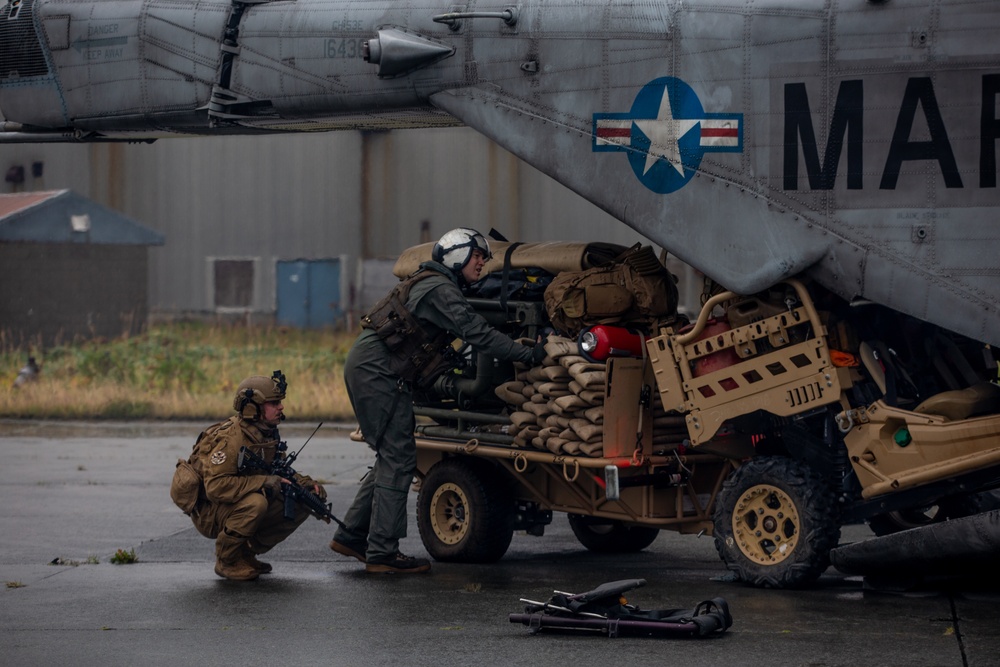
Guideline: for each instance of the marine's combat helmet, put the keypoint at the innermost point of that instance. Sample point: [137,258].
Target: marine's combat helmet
[257,390]
[455,248]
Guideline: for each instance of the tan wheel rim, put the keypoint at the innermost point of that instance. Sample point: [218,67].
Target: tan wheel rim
[449,513]
[766,524]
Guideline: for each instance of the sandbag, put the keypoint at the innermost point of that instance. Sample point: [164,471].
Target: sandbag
[554,389]
[555,420]
[596,415]
[592,380]
[555,445]
[521,419]
[557,347]
[556,374]
[571,360]
[538,409]
[587,430]
[510,392]
[567,404]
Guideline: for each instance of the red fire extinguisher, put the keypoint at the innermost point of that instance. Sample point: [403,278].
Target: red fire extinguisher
[601,341]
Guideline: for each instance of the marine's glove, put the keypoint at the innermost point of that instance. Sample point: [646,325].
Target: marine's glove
[312,486]
[537,354]
[272,486]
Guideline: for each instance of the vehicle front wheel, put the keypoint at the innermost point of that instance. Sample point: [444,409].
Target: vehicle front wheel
[610,536]
[464,513]
[775,523]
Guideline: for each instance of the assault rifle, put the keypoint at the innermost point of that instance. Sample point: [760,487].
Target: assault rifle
[291,490]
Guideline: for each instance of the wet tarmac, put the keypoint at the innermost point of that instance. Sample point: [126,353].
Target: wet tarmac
[74,494]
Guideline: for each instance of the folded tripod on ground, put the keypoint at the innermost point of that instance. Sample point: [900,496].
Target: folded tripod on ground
[605,610]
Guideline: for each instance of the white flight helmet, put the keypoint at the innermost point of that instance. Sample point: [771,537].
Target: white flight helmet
[454,250]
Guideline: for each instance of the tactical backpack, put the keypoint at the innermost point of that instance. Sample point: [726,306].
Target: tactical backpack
[187,487]
[634,288]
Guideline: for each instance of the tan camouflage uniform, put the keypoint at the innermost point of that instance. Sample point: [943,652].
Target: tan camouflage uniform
[237,510]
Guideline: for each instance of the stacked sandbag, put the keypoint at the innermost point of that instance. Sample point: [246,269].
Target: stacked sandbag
[669,428]
[559,406]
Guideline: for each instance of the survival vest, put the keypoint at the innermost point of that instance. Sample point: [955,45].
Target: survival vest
[415,354]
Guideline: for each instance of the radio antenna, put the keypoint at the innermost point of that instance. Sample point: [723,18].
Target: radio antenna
[294,456]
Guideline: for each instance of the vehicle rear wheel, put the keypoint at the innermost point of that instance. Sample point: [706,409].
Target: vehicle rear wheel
[464,513]
[610,536]
[775,523]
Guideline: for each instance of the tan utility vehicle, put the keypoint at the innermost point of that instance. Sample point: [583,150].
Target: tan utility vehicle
[768,423]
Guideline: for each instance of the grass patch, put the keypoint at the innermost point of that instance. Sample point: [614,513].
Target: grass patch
[123,557]
[178,371]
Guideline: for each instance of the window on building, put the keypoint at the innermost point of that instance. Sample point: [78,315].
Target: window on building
[233,283]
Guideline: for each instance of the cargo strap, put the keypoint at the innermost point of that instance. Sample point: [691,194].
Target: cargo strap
[505,279]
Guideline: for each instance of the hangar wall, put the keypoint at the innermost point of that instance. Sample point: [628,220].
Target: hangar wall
[346,195]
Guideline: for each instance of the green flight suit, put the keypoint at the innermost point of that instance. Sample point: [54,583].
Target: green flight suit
[384,408]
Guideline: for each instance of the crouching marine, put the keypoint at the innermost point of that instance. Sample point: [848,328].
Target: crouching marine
[243,510]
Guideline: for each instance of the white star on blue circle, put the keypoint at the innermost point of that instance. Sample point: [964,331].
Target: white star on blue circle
[666,134]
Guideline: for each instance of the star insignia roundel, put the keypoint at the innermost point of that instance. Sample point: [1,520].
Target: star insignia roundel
[666,134]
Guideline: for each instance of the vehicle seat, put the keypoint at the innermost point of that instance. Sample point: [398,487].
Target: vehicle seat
[949,363]
[888,373]
[871,364]
[979,399]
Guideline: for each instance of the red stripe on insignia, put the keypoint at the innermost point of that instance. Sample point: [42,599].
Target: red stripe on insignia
[720,132]
[606,132]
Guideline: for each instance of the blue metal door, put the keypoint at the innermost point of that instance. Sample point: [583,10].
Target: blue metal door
[308,293]
[324,294]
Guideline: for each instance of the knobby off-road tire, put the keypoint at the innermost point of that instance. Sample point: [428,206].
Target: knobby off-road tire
[464,513]
[775,523]
[609,536]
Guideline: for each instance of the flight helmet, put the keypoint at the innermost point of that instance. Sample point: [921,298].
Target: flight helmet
[455,248]
[257,390]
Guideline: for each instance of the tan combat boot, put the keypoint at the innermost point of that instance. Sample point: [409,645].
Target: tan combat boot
[250,557]
[230,562]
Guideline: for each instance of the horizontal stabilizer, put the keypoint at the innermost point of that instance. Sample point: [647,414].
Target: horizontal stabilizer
[953,547]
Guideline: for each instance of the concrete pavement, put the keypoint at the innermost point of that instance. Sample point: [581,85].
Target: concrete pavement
[74,493]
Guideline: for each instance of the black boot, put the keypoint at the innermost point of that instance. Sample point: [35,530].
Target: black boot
[397,563]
